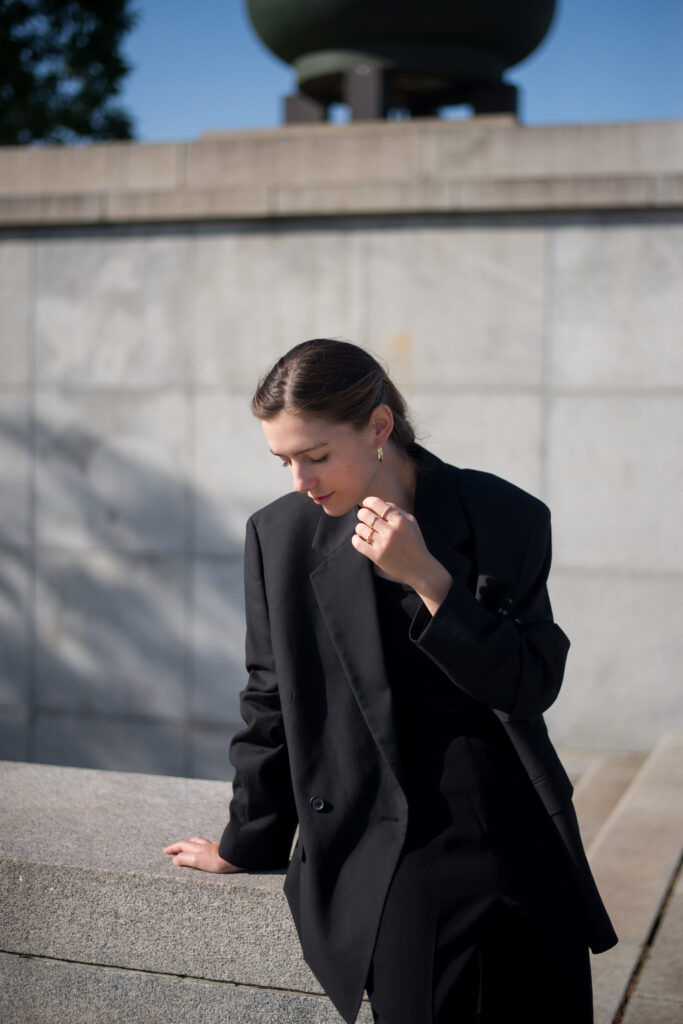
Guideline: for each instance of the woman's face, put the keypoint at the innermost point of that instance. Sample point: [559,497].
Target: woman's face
[335,464]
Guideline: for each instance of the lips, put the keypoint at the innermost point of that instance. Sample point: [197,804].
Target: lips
[322,497]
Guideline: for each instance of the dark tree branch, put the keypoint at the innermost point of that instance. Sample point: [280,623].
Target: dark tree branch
[61,69]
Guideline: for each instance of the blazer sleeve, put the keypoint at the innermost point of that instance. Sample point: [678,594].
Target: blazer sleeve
[263,816]
[511,659]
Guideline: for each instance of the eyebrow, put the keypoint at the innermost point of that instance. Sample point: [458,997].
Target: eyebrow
[303,450]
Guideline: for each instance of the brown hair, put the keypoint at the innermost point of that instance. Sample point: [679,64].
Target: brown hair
[335,380]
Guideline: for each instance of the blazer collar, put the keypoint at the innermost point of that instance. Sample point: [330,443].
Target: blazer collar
[344,586]
[440,515]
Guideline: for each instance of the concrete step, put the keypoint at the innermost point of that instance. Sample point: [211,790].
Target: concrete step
[635,857]
[658,993]
[600,786]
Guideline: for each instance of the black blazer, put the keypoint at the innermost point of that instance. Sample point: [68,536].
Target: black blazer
[320,747]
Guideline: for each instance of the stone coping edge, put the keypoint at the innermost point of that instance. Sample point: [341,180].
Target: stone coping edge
[484,164]
[556,195]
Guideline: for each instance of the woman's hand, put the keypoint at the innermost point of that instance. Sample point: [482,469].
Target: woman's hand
[200,853]
[392,539]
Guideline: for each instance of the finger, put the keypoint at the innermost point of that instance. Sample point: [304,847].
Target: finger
[381,507]
[185,860]
[365,533]
[392,510]
[374,504]
[369,518]
[200,839]
[181,845]
[363,546]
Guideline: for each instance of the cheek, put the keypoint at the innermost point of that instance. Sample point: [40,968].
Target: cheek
[358,476]
[354,473]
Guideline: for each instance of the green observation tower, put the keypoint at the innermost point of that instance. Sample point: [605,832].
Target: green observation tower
[379,56]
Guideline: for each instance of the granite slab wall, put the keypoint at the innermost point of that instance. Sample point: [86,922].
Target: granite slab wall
[541,345]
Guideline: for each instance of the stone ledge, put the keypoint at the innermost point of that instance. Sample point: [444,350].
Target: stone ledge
[481,165]
[83,878]
[95,918]
[98,922]
[40,991]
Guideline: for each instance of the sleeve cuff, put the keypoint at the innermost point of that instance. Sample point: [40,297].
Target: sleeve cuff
[459,618]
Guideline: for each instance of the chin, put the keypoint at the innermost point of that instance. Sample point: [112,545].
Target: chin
[335,510]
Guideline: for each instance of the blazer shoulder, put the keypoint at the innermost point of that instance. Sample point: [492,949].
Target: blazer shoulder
[291,515]
[485,495]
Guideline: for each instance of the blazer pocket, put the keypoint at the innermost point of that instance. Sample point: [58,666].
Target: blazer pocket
[494,593]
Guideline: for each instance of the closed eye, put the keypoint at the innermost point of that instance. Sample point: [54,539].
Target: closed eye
[323,458]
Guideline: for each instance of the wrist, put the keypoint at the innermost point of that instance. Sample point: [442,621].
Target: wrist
[433,585]
[228,869]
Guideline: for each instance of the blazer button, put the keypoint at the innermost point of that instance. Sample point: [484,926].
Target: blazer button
[317,803]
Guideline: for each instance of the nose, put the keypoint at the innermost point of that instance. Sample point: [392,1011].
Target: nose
[302,478]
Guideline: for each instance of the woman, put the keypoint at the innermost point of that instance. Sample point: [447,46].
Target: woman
[401,651]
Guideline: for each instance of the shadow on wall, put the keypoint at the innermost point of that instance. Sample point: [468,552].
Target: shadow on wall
[121,606]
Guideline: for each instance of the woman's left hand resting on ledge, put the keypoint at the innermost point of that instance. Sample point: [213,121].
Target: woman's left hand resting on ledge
[200,853]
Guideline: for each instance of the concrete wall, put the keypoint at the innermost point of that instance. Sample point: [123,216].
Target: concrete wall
[524,286]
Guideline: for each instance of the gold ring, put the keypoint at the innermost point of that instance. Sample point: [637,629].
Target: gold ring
[372,525]
[368,539]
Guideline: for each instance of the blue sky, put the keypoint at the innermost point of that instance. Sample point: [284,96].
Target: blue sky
[199,66]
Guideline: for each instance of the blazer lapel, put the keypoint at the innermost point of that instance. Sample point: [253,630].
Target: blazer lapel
[344,588]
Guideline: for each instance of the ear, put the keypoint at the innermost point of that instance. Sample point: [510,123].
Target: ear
[381,423]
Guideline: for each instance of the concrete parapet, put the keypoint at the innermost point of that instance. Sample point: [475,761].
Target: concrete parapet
[91,904]
[97,925]
[484,164]
[40,991]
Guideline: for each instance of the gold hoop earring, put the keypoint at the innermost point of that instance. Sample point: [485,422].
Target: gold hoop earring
[380,453]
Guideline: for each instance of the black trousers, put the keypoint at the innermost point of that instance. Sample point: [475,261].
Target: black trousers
[509,976]
[482,922]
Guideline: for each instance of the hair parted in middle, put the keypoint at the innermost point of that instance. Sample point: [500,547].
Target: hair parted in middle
[335,380]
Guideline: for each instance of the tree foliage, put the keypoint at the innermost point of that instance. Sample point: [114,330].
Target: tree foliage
[60,69]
